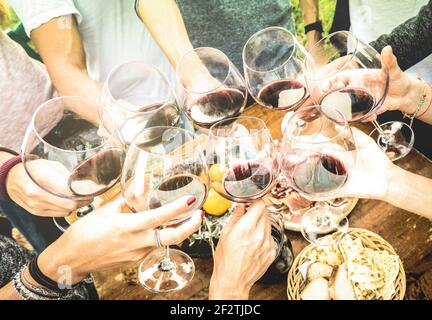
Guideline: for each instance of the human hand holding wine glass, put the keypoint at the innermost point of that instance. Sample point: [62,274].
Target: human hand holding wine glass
[244,252]
[213,87]
[164,164]
[317,155]
[28,195]
[64,155]
[347,74]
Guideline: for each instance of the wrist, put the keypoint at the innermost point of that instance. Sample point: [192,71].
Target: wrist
[61,265]
[416,89]
[395,183]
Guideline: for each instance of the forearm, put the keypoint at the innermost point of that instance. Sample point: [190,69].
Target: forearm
[310,10]
[410,192]
[410,40]
[165,23]
[63,53]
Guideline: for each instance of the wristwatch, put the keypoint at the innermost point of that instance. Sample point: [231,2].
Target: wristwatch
[314,26]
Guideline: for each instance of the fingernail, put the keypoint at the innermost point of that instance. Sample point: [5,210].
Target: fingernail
[202,213]
[190,201]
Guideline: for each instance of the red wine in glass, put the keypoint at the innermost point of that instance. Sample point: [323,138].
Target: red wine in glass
[354,103]
[216,106]
[247,181]
[282,94]
[97,174]
[178,186]
[319,173]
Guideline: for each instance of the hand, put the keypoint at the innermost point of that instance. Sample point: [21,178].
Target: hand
[24,192]
[106,238]
[245,251]
[371,176]
[404,91]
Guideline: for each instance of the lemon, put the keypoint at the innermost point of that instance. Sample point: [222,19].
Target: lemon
[215,204]
[216,172]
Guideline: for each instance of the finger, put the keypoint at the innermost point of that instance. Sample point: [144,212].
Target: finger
[255,212]
[170,236]
[157,217]
[389,58]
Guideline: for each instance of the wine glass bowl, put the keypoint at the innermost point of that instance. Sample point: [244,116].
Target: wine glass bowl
[245,154]
[162,165]
[345,73]
[66,155]
[273,68]
[214,89]
[137,96]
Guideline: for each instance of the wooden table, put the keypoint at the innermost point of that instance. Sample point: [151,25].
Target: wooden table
[410,235]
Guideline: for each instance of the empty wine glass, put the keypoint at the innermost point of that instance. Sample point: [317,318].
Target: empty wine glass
[162,165]
[317,155]
[273,68]
[243,150]
[345,73]
[137,96]
[214,89]
[67,156]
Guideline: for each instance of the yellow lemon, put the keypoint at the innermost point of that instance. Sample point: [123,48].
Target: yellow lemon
[215,204]
[216,172]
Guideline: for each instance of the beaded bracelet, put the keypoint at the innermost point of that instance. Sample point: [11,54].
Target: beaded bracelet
[423,97]
[38,290]
[24,292]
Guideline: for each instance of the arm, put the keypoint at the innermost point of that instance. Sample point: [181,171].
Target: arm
[165,23]
[410,192]
[411,40]
[89,245]
[62,51]
[310,9]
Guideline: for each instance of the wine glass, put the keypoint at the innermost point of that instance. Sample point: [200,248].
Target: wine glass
[162,165]
[345,73]
[273,68]
[66,155]
[137,96]
[246,158]
[214,89]
[317,154]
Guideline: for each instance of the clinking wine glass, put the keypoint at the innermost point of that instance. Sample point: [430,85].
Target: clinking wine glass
[345,73]
[273,68]
[213,88]
[137,96]
[245,156]
[69,156]
[317,155]
[162,165]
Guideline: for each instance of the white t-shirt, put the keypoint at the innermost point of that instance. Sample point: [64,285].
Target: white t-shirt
[110,30]
[372,18]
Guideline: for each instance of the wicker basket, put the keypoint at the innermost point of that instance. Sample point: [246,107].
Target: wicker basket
[369,240]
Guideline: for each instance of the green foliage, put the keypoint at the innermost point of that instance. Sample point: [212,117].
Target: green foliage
[326,10]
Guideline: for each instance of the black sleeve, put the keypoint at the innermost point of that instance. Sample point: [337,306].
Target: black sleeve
[412,40]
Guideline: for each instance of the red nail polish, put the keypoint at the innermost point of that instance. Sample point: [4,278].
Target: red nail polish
[202,213]
[190,201]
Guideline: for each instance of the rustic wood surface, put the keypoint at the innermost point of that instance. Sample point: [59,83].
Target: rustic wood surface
[409,234]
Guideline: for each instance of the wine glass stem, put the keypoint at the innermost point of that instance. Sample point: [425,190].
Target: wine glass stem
[166,264]
[378,127]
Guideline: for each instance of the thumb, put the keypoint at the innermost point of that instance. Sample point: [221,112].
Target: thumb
[389,59]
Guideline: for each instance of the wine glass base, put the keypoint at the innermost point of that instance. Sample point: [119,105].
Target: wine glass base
[324,226]
[399,139]
[160,276]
